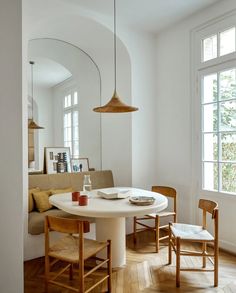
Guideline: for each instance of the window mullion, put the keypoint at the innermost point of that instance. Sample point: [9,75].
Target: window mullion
[219,153]
[72,125]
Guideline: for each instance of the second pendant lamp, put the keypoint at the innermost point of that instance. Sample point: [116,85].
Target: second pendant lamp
[32,124]
[115,105]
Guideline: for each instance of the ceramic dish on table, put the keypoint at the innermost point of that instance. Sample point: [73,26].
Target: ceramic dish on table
[142,200]
[114,194]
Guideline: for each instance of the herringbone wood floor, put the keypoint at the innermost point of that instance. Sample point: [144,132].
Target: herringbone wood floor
[145,271]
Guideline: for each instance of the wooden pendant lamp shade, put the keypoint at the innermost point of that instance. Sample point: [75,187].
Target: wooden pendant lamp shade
[32,124]
[115,105]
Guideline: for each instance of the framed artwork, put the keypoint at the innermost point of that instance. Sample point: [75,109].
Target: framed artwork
[57,160]
[80,165]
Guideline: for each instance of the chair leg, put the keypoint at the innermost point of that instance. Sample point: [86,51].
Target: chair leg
[109,267]
[177,262]
[216,263]
[81,276]
[71,273]
[134,231]
[157,235]
[47,271]
[204,246]
[169,247]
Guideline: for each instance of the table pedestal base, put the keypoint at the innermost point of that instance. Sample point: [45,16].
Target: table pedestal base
[113,229]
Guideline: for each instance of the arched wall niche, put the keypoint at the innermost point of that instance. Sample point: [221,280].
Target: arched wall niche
[97,41]
[86,80]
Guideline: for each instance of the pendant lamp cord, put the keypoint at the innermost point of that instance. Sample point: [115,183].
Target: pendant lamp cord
[115,44]
[32,88]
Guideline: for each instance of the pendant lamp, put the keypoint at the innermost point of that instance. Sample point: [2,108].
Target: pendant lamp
[32,124]
[115,105]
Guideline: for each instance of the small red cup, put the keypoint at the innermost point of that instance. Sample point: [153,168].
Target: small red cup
[75,196]
[83,200]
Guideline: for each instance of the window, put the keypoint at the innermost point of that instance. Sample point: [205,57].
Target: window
[71,123]
[218,106]
[218,45]
[219,131]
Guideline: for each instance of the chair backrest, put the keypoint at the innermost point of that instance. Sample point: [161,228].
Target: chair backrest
[209,206]
[64,225]
[68,226]
[167,191]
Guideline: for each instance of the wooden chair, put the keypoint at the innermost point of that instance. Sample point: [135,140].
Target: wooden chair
[169,192]
[179,233]
[73,249]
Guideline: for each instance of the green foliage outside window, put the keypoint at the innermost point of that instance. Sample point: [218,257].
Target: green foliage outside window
[227,123]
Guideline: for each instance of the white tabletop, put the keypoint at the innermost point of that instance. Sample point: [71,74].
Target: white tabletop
[104,208]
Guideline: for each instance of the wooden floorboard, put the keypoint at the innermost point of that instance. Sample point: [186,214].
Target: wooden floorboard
[145,271]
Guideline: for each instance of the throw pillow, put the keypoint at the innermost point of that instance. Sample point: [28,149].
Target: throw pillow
[41,200]
[30,198]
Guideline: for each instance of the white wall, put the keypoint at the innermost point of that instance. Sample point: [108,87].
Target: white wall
[174,119]
[11,130]
[142,52]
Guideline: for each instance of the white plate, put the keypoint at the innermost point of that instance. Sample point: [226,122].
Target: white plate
[142,200]
[114,194]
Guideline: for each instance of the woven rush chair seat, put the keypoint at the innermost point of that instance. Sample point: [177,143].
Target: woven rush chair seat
[191,232]
[72,250]
[67,248]
[161,214]
[156,226]
[179,233]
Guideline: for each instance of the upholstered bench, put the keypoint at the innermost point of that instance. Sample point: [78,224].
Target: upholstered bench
[42,186]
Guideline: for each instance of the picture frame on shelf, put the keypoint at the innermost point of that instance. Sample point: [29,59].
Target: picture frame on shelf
[80,164]
[57,160]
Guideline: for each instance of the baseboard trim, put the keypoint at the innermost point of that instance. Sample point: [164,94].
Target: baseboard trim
[227,246]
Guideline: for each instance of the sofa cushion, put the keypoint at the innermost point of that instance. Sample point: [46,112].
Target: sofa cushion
[30,198]
[36,219]
[63,190]
[41,200]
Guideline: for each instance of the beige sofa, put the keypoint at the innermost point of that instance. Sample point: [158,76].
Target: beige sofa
[74,181]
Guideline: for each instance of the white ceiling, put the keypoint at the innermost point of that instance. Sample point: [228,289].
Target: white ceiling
[143,15]
[47,73]
[146,15]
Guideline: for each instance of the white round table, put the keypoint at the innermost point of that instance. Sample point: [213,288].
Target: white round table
[110,215]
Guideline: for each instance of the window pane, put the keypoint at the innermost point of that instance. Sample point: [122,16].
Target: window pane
[68,144]
[228,177]
[69,100]
[75,98]
[210,176]
[210,48]
[227,41]
[76,148]
[76,133]
[210,150]
[67,119]
[210,88]
[209,118]
[228,146]
[68,134]
[228,115]
[227,84]
[75,118]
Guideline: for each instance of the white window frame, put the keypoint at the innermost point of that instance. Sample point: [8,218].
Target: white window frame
[198,69]
[210,70]
[70,109]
